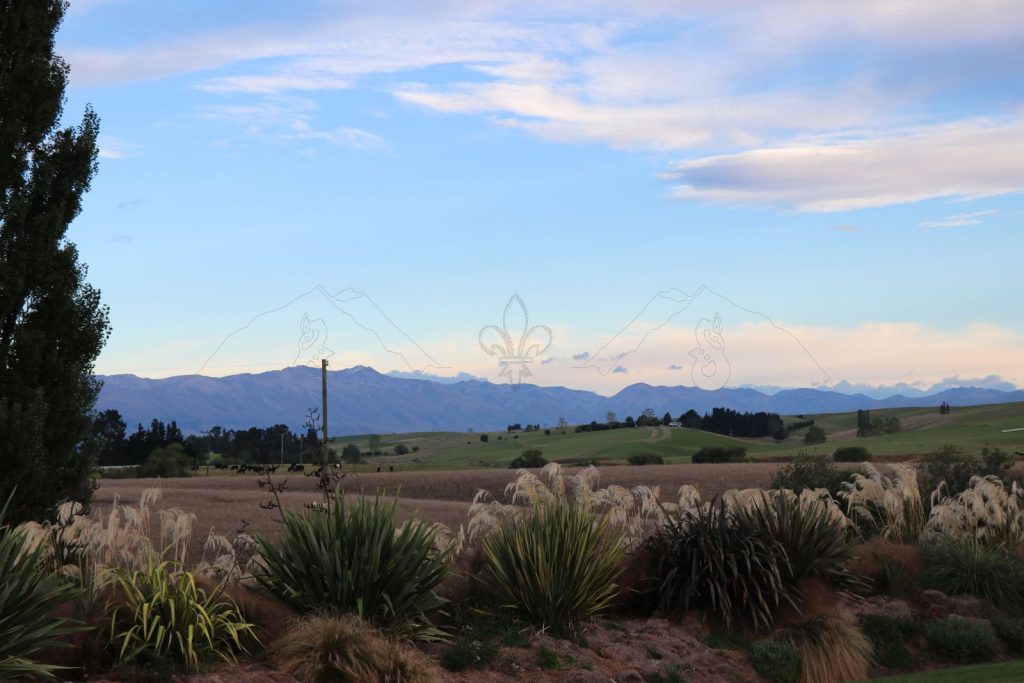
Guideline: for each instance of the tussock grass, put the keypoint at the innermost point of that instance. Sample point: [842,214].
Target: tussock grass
[832,651]
[346,650]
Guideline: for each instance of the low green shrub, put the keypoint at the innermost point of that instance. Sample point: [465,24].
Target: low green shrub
[29,596]
[717,454]
[815,435]
[726,640]
[555,564]
[776,660]
[704,558]
[549,659]
[350,558]
[810,472]
[953,468]
[669,673]
[1011,631]
[529,458]
[851,454]
[961,640]
[887,640]
[468,653]
[164,616]
[168,462]
[967,568]
[645,459]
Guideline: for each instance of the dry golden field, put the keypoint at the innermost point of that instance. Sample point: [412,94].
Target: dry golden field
[226,502]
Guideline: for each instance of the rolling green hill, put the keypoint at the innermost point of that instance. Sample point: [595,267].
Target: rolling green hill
[924,430]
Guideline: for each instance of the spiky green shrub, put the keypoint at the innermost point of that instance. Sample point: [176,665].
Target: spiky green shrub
[163,615]
[776,660]
[969,568]
[556,565]
[350,558]
[28,597]
[347,650]
[705,558]
[961,640]
[812,531]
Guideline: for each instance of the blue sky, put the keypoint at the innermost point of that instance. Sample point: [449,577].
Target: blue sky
[843,181]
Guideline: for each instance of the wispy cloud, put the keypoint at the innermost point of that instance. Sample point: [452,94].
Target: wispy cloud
[728,85]
[959,220]
[875,170]
[846,228]
[116,148]
[289,120]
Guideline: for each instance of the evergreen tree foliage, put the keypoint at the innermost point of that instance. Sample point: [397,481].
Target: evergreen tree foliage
[52,324]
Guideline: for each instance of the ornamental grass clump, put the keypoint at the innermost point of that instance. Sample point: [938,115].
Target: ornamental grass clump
[970,568]
[705,558]
[891,508]
[556,565]
[986,512]
[162,614]
[29,596]
[831,650]
[345,649]
[350,558]
[635,512]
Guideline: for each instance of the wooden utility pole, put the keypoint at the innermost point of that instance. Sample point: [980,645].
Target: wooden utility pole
[323,385]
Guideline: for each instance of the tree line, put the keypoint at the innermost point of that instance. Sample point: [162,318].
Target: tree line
[719,421]
[253,445]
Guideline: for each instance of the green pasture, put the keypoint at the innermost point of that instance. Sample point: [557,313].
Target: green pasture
[924,431]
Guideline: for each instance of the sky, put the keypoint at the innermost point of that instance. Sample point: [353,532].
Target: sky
[588,193]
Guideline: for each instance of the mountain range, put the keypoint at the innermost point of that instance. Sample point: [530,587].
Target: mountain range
[362,400]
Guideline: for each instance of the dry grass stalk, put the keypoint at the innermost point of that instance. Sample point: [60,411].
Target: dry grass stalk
[986,512]
[634,511]
[832,650]
[892,507]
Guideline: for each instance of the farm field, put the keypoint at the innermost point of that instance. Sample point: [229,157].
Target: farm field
[924,431]
[224,502]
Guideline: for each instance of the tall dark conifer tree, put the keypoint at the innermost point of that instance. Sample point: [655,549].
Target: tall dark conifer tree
[52,324]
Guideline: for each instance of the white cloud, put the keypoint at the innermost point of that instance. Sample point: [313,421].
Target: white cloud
[969,159]
[111,147]
[288,120]
[958,220]
[761,94]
